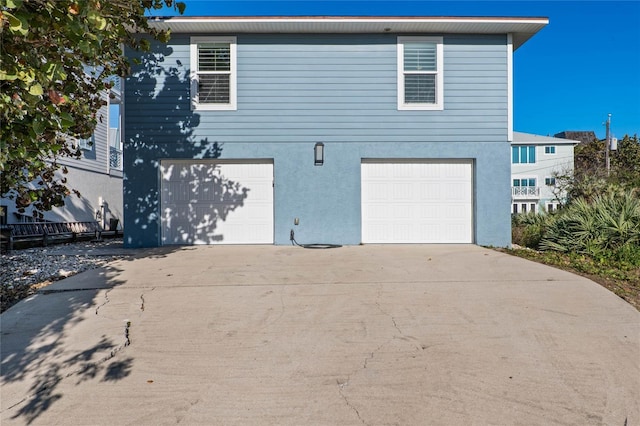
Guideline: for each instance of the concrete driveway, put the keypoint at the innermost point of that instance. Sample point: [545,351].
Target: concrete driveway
[375,335]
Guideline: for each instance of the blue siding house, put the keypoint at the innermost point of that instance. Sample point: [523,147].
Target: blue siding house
[336,130]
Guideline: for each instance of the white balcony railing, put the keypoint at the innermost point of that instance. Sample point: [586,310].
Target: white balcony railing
[115,153]
[525,191]
[115,158]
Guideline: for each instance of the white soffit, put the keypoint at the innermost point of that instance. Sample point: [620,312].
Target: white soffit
[521,28]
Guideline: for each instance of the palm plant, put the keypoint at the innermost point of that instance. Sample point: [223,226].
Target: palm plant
[610,223]
[528,228]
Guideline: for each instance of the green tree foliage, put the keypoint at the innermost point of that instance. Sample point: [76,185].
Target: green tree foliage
[589,159]
[56,57]
[590,177]
[625,162]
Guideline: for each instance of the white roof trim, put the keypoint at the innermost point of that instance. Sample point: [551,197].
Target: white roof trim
[521,28]
[529,138]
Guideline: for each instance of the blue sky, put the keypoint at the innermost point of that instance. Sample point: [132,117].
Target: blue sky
[582,66]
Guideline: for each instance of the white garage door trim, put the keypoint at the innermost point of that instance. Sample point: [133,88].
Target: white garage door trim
[417,201]
[216,202]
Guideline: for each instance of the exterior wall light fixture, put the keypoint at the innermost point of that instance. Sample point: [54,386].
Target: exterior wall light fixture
[318,154]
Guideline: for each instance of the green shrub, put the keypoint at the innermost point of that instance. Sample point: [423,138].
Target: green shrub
[528,229]
[608,227]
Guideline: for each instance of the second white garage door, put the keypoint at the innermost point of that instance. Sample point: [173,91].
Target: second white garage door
[208,202]
[417,201]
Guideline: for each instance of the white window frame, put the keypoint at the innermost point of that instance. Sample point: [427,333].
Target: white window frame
[551,148]
[439,73]
[518,147]
[527,178]
[85,144]
[232,105]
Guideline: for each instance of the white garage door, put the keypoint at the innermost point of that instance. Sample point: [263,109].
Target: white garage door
[208,202]
[415,201]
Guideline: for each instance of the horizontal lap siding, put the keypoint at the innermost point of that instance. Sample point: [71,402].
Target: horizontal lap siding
[97,158]
[341,88]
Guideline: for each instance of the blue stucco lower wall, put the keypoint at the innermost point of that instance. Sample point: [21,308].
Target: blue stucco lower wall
[325,198]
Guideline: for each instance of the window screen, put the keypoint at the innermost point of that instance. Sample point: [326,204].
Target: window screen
[420,72]
[214,72]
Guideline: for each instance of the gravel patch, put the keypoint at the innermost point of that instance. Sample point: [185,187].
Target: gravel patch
[23,272]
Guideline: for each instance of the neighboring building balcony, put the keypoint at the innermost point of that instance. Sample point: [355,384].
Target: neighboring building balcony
[525,192]
[115,153]
[115,158]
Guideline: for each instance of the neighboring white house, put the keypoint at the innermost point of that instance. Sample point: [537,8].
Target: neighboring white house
[97,175]
[535,161]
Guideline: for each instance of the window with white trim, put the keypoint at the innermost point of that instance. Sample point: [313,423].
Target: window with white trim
[550,181]
[420,80]
[213,73]
[550,150]
[524,182]
[523,154]
[84,144]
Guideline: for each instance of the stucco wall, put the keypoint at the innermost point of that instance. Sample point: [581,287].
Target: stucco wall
[325,198]
[91,186]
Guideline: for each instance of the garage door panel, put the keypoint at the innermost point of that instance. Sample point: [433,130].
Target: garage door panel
[455,191]
[208,202]
[429,191]
[416,201]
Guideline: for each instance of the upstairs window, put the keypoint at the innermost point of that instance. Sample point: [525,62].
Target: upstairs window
[523,154]
[213,73]
[530,182]
[550,149]
[84,144]
[550,181]
[420,81]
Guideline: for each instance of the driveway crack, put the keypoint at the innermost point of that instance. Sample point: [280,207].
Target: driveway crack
[372,355]
[86,370]
[341,386]
[393,320]
[142,301]
[106,300]
[402,335]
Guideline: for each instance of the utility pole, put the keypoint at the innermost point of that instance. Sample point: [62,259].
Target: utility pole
[608,145]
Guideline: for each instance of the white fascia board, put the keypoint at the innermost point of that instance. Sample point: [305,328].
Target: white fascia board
[350,19]
[510,87]
[522,28]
